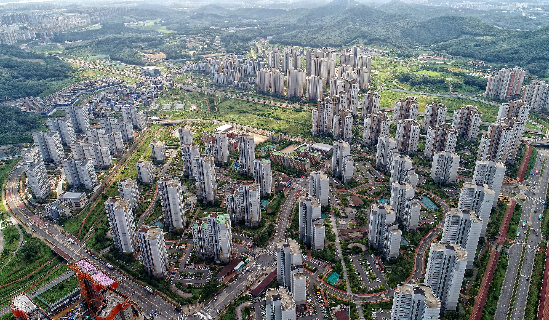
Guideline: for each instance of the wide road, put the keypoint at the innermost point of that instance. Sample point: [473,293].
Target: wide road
[531,208]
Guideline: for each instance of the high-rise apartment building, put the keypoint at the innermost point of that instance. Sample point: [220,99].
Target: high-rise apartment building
[505,83]
[279,304]
[536,95]
[405,109]
[342,162]
[405,206]
[319,187]
[384,153]
[128,190]
[463,227]
[220,151]
[80,173]
[37,177]
[401,170]
[370,104]
[514,109]
[64,128]
[445,167]
[478,198]
[131,115]
[376,125]
[466,121]
[502,141]
[49,145]
[309,211]
[244,205]
[289,259]
[190,153]
[171,200]
[206,179]
[435,114]
[212,237]
[415,302]
[158,151]
[384,234]
[407,135]
[153,251]
[247,154]
[440,138]
[263,175]
[445,272]
[78,115]
[490,173]
[121,223]
[145,172]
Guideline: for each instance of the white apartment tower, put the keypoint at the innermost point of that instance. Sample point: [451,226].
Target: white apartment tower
[478,198]
[445,167]
[505,83]
[131,115]
[407,135]
[289,261]
[212,237]
[145,171]
[370,104]
[415,302]
[80,173]
[247,154]
[445,272]
[64,128]
[463,227]
[206,179]
[128,190]
[319,187]
[309,210]
[221,151]
[376,125]
[78,115]
[406,208]
[440,138]
[190,153]
[342,162]
[37,177]
[536,95]
[490,173]
[244,205]
[121,223]
[279,305]
[171,200]
[384,234]
[514,109]
[384,153]
[158,150]
[263,175]
[401,170]
[435,114]
[502,141]
[186,136]
[405,109]
[49,144]
[466,121]
[153,251]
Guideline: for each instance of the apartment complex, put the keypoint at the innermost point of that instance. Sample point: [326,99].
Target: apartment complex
[384,234]
[244,205]
[445,167]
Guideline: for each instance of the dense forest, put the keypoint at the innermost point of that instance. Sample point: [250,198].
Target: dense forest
[25,74]
[17,126]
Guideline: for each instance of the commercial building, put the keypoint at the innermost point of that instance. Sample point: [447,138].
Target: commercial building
[376,125]
[370,104]
[153,251]
[171,199]
[384,153]
[445,272]
[80,173]
[415,302]
[536,95]
[445,167]
[405,109]
[319,187]
[37,177]
[279,304]
[128,190]
[145,171]
[342,162]
[247,154]
[212,237]
[78,115]
[121,223]
[384,234]
[158,150]
[435,114]
[64,128]
[490,173]
[407,135]
[244,205]
[263,176]
[463,227]
[478,198]
[440,138]
[505,83]
[49,144]
[466,121]
[206,179]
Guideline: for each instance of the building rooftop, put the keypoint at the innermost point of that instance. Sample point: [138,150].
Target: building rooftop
[23,303]
[265,283]
[73,195]
[228,268]
[224,128]
[96,275]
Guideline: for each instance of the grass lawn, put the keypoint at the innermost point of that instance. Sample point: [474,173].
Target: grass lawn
[60,290]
